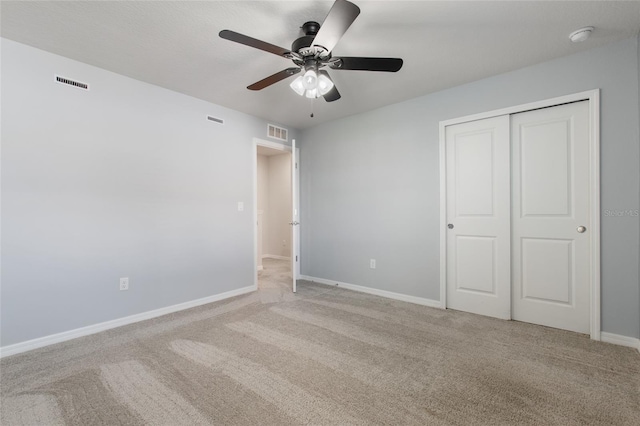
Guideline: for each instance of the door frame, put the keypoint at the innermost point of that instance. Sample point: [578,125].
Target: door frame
[593,96]
[285,149]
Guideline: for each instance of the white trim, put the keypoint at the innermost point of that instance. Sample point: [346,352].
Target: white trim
[575,97]
[594,191]
[295,216]
[617,339]
[275,256]
[382,293]
[593,96]
[108,325]
[272,145]
[254,184]
[443,218]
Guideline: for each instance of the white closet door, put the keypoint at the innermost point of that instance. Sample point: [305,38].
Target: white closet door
[550,217]
[478,210]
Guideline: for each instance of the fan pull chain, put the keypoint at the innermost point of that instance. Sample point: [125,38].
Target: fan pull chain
[312,104]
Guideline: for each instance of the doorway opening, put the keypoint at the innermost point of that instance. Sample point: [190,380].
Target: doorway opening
[274,214]
[276,218]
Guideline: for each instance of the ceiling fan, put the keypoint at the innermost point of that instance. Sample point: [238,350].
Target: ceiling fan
[312,53]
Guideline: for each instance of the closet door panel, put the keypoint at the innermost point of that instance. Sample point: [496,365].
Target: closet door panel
[550,215]
[478,209]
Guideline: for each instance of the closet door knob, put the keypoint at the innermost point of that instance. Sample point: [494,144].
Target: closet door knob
[450,226]
[581,229]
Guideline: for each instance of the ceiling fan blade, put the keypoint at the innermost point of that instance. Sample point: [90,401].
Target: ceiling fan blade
[366,64]
[333,94]
[337,22]
[253,42]
[266,82]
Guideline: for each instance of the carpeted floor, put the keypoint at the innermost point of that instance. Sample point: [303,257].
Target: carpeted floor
[323,356]
[275,282]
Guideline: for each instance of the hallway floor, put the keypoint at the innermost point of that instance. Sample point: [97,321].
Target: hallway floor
[274,281]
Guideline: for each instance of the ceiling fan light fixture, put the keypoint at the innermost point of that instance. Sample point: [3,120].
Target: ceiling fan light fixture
[310,80]
[297,86]
[312,94]
[324,84]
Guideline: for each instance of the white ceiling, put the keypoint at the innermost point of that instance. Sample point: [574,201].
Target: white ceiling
[443,43]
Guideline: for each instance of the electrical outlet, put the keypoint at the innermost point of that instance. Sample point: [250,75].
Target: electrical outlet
[372,263]
[240,206]
[124,283]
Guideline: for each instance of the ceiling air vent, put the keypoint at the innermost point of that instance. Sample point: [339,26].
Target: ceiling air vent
[215,120]
[276,132]
[73,83]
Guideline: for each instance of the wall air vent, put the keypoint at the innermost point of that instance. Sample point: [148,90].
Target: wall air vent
[73,83]
[276,132]
[214,119]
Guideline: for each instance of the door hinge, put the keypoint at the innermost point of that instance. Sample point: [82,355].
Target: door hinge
[296,258]
[296,165]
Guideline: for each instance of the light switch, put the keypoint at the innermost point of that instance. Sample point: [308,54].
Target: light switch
[240,206]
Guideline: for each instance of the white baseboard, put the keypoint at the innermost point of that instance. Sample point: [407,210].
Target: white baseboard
[382,293]
[617,339]
[52,339]
[107,325]
[275,256]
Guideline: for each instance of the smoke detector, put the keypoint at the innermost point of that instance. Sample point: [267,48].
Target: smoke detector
[580,35]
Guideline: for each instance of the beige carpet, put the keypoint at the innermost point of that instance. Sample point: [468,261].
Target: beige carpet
[325,356]
[274,281]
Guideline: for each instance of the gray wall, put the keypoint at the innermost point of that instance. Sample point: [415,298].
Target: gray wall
[370,182]
[127,179]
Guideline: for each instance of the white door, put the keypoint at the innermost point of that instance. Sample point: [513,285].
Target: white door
[295,217]
[478,211]
[550,217]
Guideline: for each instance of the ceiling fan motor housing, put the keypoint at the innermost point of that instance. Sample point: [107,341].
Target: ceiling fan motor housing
[303,44]
[310,28]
